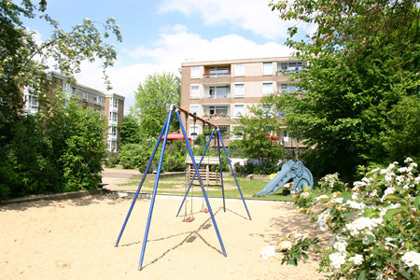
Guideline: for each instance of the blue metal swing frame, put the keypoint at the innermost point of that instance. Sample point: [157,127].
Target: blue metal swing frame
[164,133]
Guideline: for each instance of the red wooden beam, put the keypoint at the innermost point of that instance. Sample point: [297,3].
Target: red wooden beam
[196,117]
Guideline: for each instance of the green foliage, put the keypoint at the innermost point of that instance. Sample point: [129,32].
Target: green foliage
[61,149]
[76,135]
[129,130]
[153,99]
[402,138]
[255,143]
[135,156]
[369,241]
[363,61]
[50,153]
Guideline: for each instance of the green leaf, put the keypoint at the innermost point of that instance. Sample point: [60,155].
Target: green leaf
[392,212]
[362,275]
[394,261]
[417,203]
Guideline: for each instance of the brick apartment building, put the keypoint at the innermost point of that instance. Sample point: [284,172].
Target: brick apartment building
[224,90]
[112,105]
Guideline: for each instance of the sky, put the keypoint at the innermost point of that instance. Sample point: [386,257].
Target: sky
[159,35]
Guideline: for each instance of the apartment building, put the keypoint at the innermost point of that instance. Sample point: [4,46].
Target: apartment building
[222,91]
[112,105]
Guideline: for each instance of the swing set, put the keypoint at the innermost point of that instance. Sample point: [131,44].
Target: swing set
[187,218]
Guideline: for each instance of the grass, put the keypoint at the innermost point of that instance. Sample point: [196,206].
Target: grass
[177,186]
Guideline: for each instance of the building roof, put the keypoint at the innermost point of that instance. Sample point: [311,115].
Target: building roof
[246,60]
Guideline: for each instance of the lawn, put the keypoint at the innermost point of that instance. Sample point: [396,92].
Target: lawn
[178,186]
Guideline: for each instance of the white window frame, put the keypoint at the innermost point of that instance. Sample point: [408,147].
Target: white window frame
[239,113]
[239,93]
[195,72]
[239,70]
[193,128]
[235,136]
[267,68]
[85,95]
[216,91]
[194,108]
[265,91]
[195,93]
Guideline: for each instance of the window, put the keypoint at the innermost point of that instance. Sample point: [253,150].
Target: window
[115,102]
[289,88]
[194,109]
[239,90]
[221,111]
[219,92]
[85,95]
[113,116]
[193,132]
[112,130]
[112,145]
[224,131]
[239,70]
[195,92]
[295,65]
[267,89]
[238,132]
[267,68]
[239,110]
[97,100]
[195,72]
[219,71]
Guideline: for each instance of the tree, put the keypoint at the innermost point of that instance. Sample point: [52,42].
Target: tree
[363,60]
[130,130]
[255,142]
[28,144]
[153,99]
[18,50]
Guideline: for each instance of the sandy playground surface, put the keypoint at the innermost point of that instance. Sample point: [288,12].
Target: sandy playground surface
[74,239]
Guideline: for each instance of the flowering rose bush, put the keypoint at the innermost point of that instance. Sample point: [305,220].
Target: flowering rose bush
[376,231]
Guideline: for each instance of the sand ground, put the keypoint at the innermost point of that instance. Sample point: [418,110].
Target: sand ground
[75,238]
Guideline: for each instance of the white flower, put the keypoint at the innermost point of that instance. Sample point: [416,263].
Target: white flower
[304,194]
[340,246]
[402,169]
[409,159]
[285,245]
[268,251]
[355,196]
[389,190]
[356,205]
[337,260]
[373,193]
[357,259]
[324,196]
[411,258]
[362,224]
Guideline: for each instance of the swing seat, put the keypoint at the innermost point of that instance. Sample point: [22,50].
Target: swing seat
[188,220]
[204,210]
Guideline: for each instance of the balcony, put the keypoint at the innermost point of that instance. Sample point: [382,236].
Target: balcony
[217,75]
[216,116]
[292,67]
[214,92]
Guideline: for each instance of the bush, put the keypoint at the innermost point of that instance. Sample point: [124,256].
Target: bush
[61,149]
[375,241]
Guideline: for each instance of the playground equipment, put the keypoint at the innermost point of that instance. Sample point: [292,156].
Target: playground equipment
[292,170]
[164,133]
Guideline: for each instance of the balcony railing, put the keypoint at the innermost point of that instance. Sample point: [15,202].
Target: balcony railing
[215,116]
[208,96]
[290,71]
[216,75]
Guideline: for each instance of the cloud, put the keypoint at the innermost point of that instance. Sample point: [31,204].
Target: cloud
[174,46]
[252,15]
